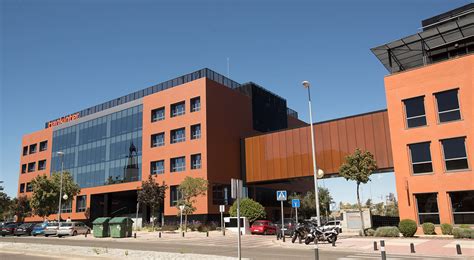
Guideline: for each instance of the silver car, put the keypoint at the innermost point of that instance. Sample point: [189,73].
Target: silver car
[51,229]
[72,229]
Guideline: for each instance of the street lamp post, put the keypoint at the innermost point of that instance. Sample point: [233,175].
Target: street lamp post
[306,85]
[61,154]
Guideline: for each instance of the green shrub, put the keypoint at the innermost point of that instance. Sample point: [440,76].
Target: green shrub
[369,232]
[463,233]
[464,226]
[446,229]
[169,228]
[387,232]
[428,228]
[407,227]
[248,208]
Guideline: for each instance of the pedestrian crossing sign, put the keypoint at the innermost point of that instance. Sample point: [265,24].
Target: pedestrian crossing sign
[281,195]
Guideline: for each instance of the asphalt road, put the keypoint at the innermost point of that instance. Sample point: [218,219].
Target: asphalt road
[250,252]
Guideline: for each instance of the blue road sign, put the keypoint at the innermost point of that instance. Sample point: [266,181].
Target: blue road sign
[281,195]
[295,203]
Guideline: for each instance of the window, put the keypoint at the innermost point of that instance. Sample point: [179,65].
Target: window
[196,161]
[427,205]
[43,146]
[195,104]
[29,187]
[157,167]
[421,157]
[178,109]
[66,206]
[178,164]
[22,188]
[448,106]
[221,194]
[415,112]
[455,156]
[32,148]
[31,166]
[196,131]
[175,195]
[462,205]
[81,203]
[158,114]
[158,140]
[25,150]
[178,135]
[41,165]
[23,168]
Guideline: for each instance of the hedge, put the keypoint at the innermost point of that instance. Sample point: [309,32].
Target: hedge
[446,229]
[407,227]
[428,228]
[387,232]
[463,233]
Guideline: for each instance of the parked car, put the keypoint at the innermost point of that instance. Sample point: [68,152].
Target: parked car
[51,229]
[289,225]
[72,229]
[333,224]
[38,229]
[264,227]
[24,229]
[9,229]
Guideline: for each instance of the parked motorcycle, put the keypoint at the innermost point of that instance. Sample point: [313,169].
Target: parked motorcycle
[319,234]
[301,231]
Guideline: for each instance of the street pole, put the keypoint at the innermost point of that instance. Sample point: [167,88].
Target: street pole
[136,216]
[181,218]
[282,223]
[296,210]
[238,220]
[316,195]
[222,222]
[61,154]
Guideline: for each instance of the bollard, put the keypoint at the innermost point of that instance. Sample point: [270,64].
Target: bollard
[182,234]
[334,242]
[278,235]
[412,248]
[375,246]
[223,232]
[159,235]
[85,235]
[316,252]
[283,234]
[135,235]
[382,250]
[207,233]
[458,249]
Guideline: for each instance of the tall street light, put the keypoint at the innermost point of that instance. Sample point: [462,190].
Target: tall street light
[306,85]
[61,154]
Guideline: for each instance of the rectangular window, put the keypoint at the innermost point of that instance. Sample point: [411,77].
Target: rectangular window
[158,114]
[175,195]
[178,109]
[178,164]
[157,167]
[421,157]
[462,205]
[196,161]
[221,194]
[81,203]
[178,135]
[158,140]
[43,146]
[455,155]
[427,204]
[25,150]
[41,165]
[195,104]
[448,106]
[31,166]
[23,168]
[32,148]
[66,206]
[196,131]
[22,188]
[415,111]
[29,187]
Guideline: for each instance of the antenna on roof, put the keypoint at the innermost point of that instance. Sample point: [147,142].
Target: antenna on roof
[228,67]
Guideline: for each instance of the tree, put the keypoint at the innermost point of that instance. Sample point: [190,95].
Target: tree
[358,167]
[190,188]
[152,194]
[307,205]
[249,208]
[20,207]
[5,203]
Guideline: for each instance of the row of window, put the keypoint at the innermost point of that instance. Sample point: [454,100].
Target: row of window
[454,153]
[32,148]
[221,195]
[28,185]
[176,136]
[176,109]
[81,204]
[177,164]
[447,104]
[462,207]
[31,167]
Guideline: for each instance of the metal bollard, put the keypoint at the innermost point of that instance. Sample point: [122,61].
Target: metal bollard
[182,234]
[207,233]
[375,246]
[85,235]
[316,252]
[283,235]
[382,250]
[159,235]
[223,232]
[412,248]
[334,242]
[278,235]
[458,249]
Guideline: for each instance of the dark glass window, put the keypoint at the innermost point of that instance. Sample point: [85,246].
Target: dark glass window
[25,150]
[178,164]
[66,206]
[81,203]
[415,111]
[455,156]
[23,168]
[196,161]
[196,131]
[195,104]
[158,114]
[31,166]
[22,188]
[178,109]
[29,187]
[32,148]
[427,204]
[158,140]
[43,146]
[175,195]
[157,167]
[41,165]
[178,135]
[462,204]
[448,106]
[221,194]
[421,157]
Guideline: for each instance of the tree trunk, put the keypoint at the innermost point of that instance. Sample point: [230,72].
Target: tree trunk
[360,211]
[152,219]
[186,221]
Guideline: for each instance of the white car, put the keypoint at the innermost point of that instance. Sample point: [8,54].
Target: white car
[72,229]
[333,224]
[51,229]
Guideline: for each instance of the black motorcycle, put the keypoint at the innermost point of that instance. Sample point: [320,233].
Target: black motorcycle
[301,231]
[319,234]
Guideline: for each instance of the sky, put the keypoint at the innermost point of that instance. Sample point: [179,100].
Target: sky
[58,56]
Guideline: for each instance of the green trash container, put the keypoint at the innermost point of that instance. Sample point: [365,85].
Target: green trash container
[121,227]
[100,227]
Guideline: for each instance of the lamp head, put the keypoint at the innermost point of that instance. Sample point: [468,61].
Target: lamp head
[306,84]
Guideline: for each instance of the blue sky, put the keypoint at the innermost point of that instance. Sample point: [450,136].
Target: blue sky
[58,57]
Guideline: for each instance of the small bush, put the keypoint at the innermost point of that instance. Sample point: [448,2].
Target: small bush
[387,232]
[463,233]
[446,229]
[407,227]
[464,226]
[369,232]
[428,228]
[169,227]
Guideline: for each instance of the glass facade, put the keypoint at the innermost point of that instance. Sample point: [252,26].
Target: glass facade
[101,151]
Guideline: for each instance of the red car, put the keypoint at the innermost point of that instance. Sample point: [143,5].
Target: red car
[264,227]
